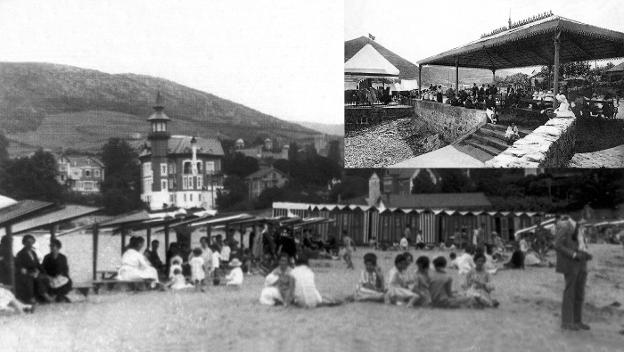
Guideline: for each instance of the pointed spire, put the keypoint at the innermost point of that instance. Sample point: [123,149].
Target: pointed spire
[159,105]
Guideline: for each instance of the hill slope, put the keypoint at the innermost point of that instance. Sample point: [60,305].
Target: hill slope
[51,105]
[326,128]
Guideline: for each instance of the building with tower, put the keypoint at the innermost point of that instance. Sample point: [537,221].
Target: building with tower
[179,171]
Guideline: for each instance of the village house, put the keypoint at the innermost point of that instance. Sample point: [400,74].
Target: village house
[179,171]
[263,179]
[82,174]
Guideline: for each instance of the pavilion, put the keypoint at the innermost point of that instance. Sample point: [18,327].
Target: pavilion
[545,40]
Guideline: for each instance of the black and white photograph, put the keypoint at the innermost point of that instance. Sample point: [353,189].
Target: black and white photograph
[494,84]
[187,176]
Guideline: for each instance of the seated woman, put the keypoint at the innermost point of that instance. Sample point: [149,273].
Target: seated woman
[279,284]
[134,265]
[56,268]
[399,291]
[30,280]
[478,286]
[371,284]
[305,293]
[8,303]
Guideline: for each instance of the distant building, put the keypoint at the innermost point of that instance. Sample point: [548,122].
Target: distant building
[264,151]
[83,174]
[180,171]
[263,179]
[615,73]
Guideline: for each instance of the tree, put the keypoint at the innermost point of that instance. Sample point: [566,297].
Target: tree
[235,193]
[422,183]
[349,187]
[333,152]
[121,191]
[454,180]
[33,177]
[293,151]
[240,165]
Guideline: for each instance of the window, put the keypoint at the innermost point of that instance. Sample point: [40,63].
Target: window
[88,186]
[199,167]
[147,184]
[172,168]
[210,167]
[87,173]
[187,167]
[163,169]
[163,185]
[171,184]
[147,169]
[172,199]
[184,182]
[199,182]
[184,197]
[191,197]
[96,172]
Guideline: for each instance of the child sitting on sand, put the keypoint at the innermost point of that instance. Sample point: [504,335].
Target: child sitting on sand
[279,284]
[440,287]
[197,269]
[371,284]
[305,293]
[235,277]
[348,249]
[399,292]
[478,284]
[421,286]
[176,263]
[464,262]
[177,281]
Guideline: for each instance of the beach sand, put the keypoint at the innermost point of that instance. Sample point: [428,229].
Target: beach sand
[224,319]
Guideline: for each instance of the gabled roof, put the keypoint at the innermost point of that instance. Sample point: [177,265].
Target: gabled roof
[80,160]
[265,171]
[182,145]
[22,210]
[456,201]
[369,61]
[407,70]
[532,44]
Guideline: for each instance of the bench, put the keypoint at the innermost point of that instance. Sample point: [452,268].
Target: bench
[106,274]
[83,288]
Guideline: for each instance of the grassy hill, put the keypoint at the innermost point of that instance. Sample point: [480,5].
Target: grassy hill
[54,106]
[326,128]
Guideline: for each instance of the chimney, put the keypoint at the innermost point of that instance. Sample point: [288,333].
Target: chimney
[374,189]
[194,155]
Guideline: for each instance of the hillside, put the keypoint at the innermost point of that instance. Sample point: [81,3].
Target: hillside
[53,106]
[445,76]
[326,128]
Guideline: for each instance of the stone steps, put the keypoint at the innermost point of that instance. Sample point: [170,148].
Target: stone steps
[487,142]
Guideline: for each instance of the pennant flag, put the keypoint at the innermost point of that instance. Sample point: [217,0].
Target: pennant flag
[372,37]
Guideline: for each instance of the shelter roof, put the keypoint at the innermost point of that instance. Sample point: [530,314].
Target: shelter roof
[368,61]
[532,44]
[23,210]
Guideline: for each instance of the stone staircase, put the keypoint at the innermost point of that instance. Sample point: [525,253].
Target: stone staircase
[487,142]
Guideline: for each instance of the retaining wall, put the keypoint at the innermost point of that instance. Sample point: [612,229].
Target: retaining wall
[450,122]
[364,116]
[550,145]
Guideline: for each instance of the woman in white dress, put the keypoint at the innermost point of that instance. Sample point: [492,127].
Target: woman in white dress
[9,303]
[134,265]
[305,293]
[564,107]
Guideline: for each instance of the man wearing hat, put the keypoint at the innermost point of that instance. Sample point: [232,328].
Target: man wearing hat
[572,260]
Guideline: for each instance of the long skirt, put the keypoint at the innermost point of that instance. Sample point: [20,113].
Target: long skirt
[271,296]
[127,273]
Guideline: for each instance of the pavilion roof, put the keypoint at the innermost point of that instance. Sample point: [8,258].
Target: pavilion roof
[532,44]
[407,70]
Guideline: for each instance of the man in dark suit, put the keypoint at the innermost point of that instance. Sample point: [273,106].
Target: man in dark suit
[572,260]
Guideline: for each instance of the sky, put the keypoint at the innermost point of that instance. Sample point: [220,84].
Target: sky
[416,30]
[281,58]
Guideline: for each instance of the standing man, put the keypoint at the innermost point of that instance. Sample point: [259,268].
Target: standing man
[572,260]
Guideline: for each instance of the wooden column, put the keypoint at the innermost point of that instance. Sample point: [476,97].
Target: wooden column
[52,232]
[9,254]
[457,74]
[148,237]
[556,63]
[123,240]
[166,238]
[420,81]
[493,75]
[96,233]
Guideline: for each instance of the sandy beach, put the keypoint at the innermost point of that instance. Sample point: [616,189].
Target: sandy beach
[224,319]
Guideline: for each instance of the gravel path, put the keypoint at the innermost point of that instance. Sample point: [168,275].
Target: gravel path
[384,145]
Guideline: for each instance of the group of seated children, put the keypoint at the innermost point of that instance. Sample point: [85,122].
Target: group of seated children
[425,287]
[204,263]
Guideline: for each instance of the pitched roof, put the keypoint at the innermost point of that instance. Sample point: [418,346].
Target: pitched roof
[369,61]
[531,44]
[22,210]
[81,160]
[407,70]
[455,201]
[66,213]
[265,171]
[182,145]
[6,201]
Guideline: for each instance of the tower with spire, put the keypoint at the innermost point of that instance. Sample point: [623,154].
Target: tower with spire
[159,141]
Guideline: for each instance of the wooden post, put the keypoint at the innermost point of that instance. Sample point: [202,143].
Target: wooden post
[457,74]
[166,238]
[123,240]
[9,255]
[148,238]
[242,245]
[208,235]
[420,81]
[493,75]
[556,63]
[96,233]
[52,232]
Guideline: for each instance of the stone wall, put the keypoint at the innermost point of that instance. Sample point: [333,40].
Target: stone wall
[550,145]
[364,116]
[450,122]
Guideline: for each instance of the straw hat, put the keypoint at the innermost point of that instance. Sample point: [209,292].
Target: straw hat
[235,262]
